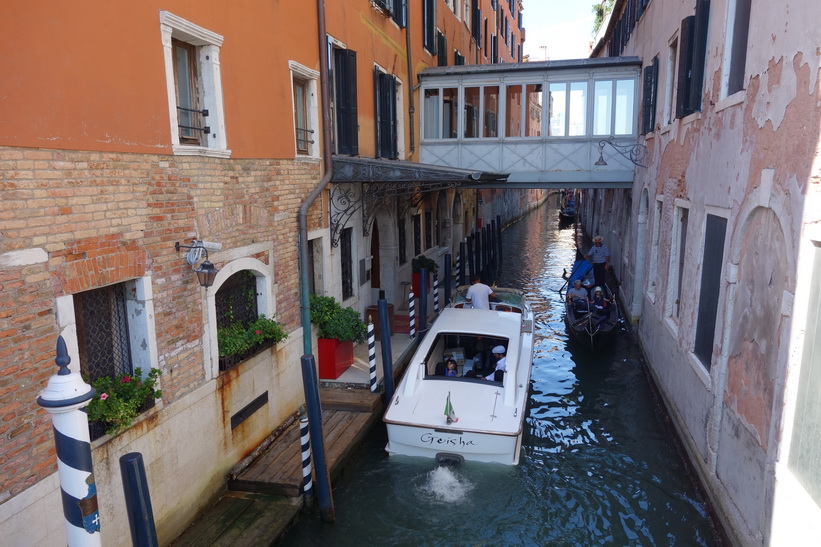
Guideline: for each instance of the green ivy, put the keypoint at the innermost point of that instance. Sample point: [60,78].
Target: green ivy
[238,338]
[423,261]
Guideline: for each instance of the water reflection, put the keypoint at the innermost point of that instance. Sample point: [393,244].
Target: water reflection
[597,467]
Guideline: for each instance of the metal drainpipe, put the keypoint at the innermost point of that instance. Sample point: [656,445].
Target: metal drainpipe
[309,376]
[411,109]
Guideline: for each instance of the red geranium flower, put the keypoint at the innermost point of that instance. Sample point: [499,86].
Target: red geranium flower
[126,379]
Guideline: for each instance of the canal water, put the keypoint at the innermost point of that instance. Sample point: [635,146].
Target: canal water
[598,466]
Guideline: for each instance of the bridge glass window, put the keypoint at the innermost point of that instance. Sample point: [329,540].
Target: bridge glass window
[472,110]
[450,112]
[513,111]
[577,109]
[624,115]
[491,123]
[613,107]
[568,109]
[557,108]
[602,106]
[533,122]
[432,123]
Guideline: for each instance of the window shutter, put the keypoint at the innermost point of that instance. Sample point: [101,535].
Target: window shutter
[685,64]
[650,97]
[476,22]
[442,49]
[399,13]
[378,101]
[701,22]
[390,124]
[386,138]
[429,25]
[647,100]
[346,105]
[655,92]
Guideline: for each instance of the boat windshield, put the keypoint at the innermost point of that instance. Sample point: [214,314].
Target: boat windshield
[474,356]
[507,299]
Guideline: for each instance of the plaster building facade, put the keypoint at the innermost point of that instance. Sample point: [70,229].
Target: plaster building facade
[127,128]
[717,246]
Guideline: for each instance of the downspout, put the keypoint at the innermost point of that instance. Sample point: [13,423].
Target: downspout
[310,380]
[411,87]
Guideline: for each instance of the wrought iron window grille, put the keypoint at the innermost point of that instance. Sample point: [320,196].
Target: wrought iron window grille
[383,6]
[203,113]
[304,140]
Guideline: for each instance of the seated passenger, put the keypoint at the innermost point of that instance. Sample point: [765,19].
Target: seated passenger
[450,368]
[501,366]
[599,304]
[440,369]
[578,296]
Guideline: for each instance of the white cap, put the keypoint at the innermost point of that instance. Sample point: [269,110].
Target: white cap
[498,349]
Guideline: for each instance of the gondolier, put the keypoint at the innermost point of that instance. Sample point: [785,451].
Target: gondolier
[599,256]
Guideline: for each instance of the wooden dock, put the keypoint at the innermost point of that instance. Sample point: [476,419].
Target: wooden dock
[262,500]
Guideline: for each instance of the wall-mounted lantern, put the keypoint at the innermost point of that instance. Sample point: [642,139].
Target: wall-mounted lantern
[206,272]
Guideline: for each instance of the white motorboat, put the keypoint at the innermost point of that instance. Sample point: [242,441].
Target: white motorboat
[478,414]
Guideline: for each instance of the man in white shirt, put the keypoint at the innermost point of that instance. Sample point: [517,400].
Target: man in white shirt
[501,363]
[478,294]
[599,256]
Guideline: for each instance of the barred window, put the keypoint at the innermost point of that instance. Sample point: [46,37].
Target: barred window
[102,332]
[103,338]
[236,300]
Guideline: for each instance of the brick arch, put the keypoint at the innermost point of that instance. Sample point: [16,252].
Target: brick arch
[226,219]
[90,264]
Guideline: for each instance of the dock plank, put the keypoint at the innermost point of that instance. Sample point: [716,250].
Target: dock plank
[358,400]
[279,469]
[241,518]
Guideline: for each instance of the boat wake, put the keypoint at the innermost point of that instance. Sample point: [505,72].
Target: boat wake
[444,484]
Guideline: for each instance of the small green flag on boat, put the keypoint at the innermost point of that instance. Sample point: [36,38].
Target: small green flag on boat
[449,411]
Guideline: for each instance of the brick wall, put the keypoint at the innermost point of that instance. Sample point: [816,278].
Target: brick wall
[103,218]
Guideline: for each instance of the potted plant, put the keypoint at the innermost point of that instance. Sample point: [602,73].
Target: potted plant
[119,400]
[238,342]
[337,330]
[417,265]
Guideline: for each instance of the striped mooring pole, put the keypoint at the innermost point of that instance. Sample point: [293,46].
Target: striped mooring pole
[305,442]
[458,268]
[63,397]
[372,355]
[435,293]
[411,315]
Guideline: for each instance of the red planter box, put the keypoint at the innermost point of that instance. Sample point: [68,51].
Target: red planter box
[415,284]
[334,357]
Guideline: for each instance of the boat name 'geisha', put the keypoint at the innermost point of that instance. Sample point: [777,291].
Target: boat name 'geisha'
[429,438]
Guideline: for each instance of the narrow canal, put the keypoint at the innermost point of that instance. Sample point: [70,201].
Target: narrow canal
[597,466]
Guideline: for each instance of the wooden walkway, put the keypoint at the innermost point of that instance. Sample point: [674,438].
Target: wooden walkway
[262,500]
[242,518]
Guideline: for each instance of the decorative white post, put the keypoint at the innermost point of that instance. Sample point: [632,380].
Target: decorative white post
[305,444]
[435,293]
[412,315]
[65,394]
[372,355]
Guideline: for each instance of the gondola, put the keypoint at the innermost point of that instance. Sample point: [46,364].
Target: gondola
[590,328]
[567,212]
